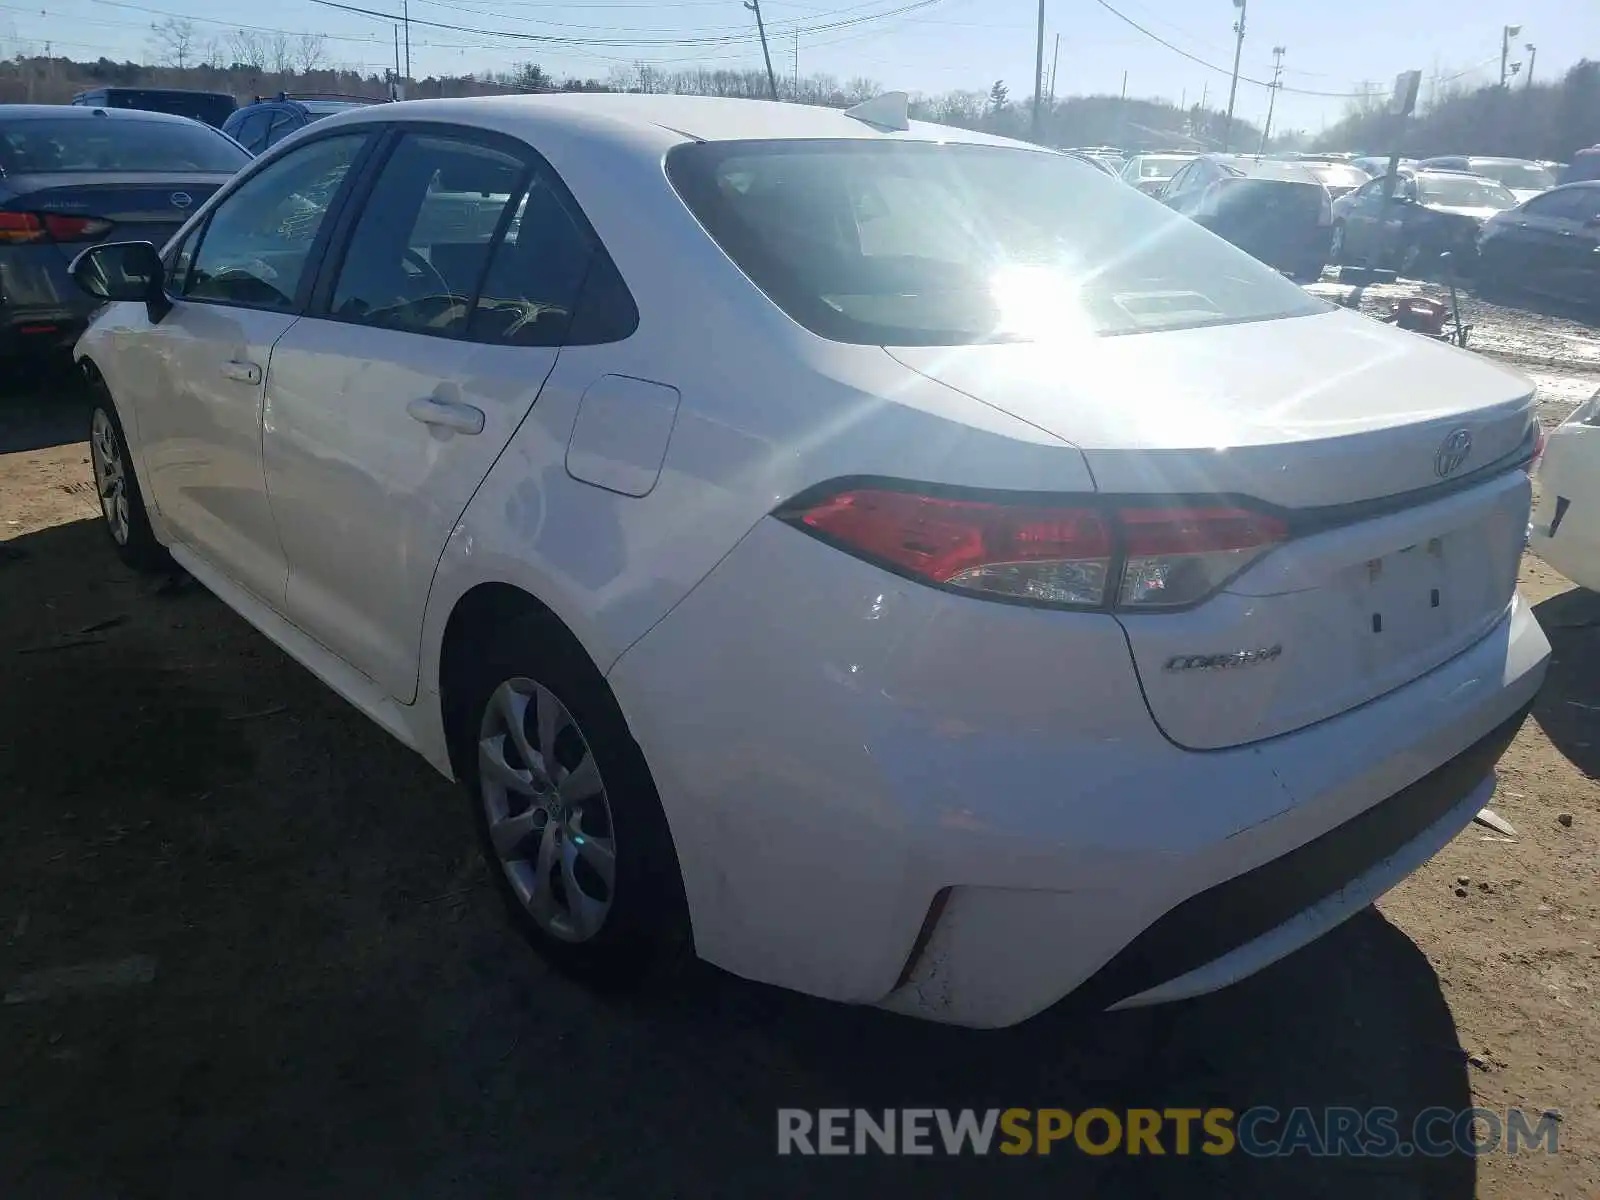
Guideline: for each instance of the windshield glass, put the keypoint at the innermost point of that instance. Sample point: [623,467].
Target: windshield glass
[1524,176]
[1338,175]
[916,243]
[1464,191]
[1163,167]
[102,144]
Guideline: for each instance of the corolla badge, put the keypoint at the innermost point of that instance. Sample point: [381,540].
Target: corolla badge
[181,199]
[1453,452]
[1222,662]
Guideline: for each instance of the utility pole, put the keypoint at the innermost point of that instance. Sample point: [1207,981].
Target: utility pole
[797,64]
[394,82]
[1533,57]
[1272,94]
[761,28]
[1124,86]
[1506,34]
[1233,88]
[405,15]
[1038,72]
[1055,61]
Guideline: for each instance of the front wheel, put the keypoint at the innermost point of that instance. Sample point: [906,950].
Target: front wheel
[121,502]
[567,811]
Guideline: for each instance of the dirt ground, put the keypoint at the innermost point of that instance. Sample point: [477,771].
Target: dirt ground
[314,993]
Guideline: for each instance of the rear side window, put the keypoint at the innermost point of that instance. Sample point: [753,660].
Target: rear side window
[917,243]
[283,124]
[531,289]
[89,144]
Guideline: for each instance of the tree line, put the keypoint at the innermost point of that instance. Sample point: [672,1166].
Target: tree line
[1544,121]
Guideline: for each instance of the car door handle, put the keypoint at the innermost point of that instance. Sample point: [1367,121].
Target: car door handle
[244,372]
[448,414]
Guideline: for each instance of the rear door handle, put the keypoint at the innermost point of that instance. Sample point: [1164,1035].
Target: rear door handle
[447,414]
[244,372]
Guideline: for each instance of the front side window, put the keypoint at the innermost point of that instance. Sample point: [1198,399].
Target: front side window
[90,144]
[927,244]
[256,247]
[424,238]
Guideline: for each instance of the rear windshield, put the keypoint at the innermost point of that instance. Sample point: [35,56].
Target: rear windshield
[105,144]
[1338,175]
[1523,176]
[1464,191]
[1160,168]
[917,243]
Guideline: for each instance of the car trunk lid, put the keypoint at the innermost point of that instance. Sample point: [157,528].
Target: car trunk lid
[1390,457]
[135,207]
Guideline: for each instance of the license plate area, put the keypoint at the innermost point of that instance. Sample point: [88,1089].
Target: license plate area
[1407,593]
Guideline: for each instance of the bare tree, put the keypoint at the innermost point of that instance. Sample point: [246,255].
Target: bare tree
[281,54]
[175,41]
[247,49]
[310,52]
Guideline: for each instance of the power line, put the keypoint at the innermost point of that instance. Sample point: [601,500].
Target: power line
[1210,66]
[622,42]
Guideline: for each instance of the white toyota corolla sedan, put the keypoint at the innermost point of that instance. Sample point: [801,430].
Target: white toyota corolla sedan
[887,561]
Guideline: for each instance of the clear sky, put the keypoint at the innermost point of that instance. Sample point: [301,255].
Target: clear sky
[1332,46]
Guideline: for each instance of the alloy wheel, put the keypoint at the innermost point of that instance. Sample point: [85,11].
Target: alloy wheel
[110,476]
[548,815]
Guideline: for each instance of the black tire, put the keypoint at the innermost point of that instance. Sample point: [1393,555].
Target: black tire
[645,938]
[134,542]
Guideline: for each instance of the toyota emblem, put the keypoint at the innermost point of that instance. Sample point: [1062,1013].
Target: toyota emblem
[1453,452]
[181,199]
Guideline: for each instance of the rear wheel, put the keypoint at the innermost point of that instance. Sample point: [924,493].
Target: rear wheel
[568,814]
[121,502]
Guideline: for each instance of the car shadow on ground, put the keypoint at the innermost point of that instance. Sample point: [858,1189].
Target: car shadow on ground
[1531,303]
[1568,707]
[339,1007]
[41,406]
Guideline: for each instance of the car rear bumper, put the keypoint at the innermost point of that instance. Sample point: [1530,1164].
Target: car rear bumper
[887,752]
[41,309]
[1286,250]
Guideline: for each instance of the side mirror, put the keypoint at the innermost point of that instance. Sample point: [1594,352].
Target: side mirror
[124,271]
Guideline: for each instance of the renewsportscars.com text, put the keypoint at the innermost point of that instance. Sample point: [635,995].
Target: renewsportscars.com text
[1259,1132]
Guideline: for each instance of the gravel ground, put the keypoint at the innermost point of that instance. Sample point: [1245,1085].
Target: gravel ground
[305,986]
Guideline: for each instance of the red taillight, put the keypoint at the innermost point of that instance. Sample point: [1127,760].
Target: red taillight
[74,229]
[1077,554]
[1176,556]
[21,227]
[18,227]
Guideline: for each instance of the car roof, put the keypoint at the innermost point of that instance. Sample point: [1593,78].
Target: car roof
[1455,172]
[696,118]
[1255,167]
[81,112]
